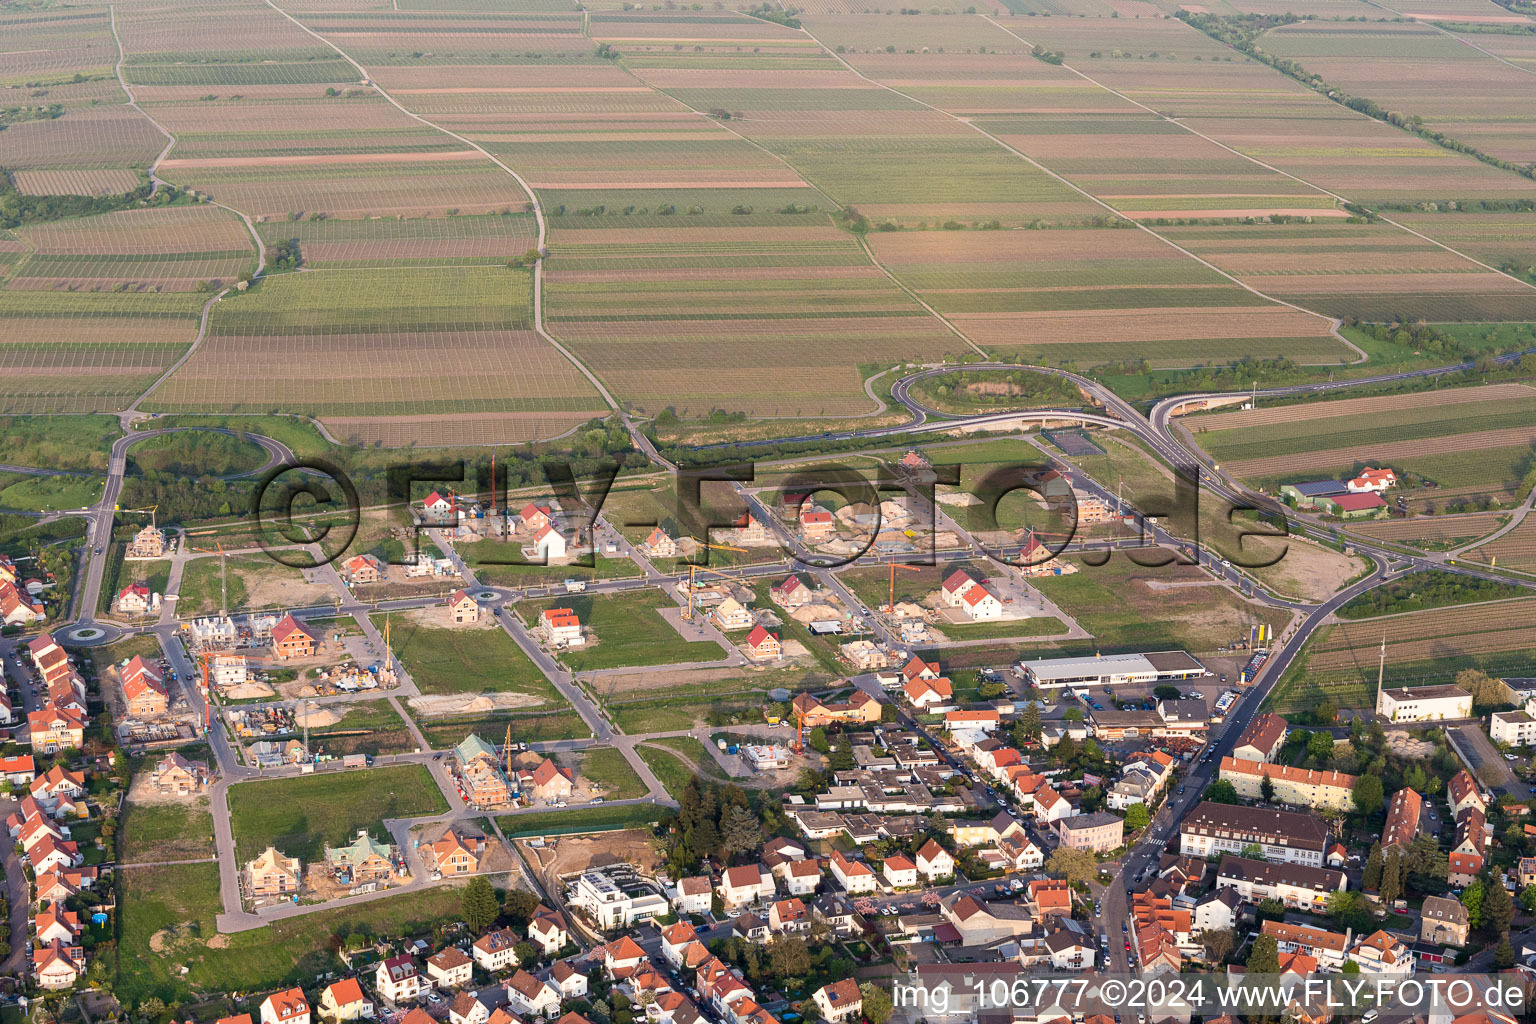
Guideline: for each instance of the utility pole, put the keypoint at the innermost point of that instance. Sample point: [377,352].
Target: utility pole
[223,584]
[1381,667]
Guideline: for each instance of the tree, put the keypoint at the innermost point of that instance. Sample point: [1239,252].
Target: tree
[818,741]
[1072,715]
[478,905]
[1266,788]
[1528,899]
[520,905]
[1320,746]
[1029,728]
[1073,865]
[1350,967]
[1368,795]
[740,830]
[1498,908]
[789,957]
[1166,691]
[877,1003]
[1253,851]
[1218,944]
[1264,957]
[1472,899]
[1370,877]
[1271,909]
[1221,792]
[1503,954]
[1137,817]
[526,952]
[1391,886]
[1490,774]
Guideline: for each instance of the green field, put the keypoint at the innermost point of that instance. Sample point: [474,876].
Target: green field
[46,493]
[1115,603]
[607,767]
[166,924]
[535,728]
[196,453]
[58,442]
[301,815]
[166,831]
[684,758]
[466,659]
[580,819]
[628,629]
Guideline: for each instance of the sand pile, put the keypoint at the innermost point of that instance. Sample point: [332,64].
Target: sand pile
[316,718]
[246,691]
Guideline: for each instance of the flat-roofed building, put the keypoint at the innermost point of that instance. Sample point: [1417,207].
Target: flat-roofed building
[1111,670]
[1424,704]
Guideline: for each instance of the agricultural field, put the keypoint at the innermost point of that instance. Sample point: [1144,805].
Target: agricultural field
[478,658]
[625,630]
[301,815]
[1514,550]
[1465,441]
[1340,662]
[424,343]
[1422,71]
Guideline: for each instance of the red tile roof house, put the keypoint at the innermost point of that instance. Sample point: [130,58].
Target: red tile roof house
[290,639]
[397,980]
[286,1007]
[548,931]
[449,968]
[763,644]
[839,1001]
[495,951]
[791,592]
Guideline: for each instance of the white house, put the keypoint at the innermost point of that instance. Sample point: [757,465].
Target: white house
[839,1001]
[493,951]
[899,872]
[548,544]
[530,996]
[854,875]
[745,885]
[694,895]
[397,979]
[933,861]
[800,877]
[1424,703]
[449,968]
[286,1007]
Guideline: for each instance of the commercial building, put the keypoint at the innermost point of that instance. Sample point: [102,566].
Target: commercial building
[1297,886]
[1111,670]
[1213,829]
[1424,704]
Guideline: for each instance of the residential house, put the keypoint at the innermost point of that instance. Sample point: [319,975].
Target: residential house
[658,544]
[455,853]
[1403,812]
[1216,911]
[859,708]
[397,980]
[1462,792]
[800,877]
[534,517]
[344,1000]
[935,862]
[548,543]
[1443,921]
[286,1007]
[839,1001]
[982,924]
[55,924]
[561,627]
[694,895]
[744,885]
[899,872]
[53,728]
[449,968]
[177,775]
[494,951]
[478,1007]
[363,861]
[675,939]
[136,599]
[1099,832]
[762,644]
[462,608]
[571,983]
[17,607]
[1329,949]
[1263,738]
[1048,897]
[548,781]
[1299,886]
[1069,951]
[56,966]
[789,915]
[364,568]
[272,875]
[731,615]
[926,693]
[1382,953]
[1299,787]
[530,996]
[1212,829]
[790,593]
[291,639]
[548,931]
[854,876]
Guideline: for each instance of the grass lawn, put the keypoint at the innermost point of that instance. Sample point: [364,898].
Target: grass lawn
[203,582]
[629,630]
[1117,605]
[608,767]
[488,557]
[669,767]
[58,442]
[196,453]
[153,832]
[536,728]
[146,645]
[580,819]
[1040,626]
[178,902]
[38,493]
[664,714]
[301,815]
[469,659]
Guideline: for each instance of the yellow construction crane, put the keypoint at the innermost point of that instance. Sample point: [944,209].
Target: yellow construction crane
[152,509]
[693,570]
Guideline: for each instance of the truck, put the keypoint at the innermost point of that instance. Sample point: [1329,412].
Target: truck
[355,761]
[575,586]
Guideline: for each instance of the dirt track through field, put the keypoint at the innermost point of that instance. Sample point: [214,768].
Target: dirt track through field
[1286,414]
